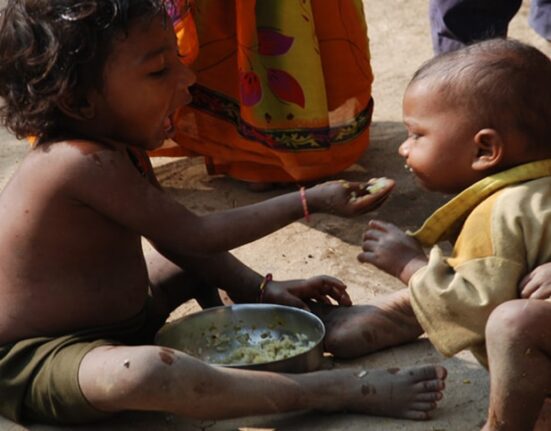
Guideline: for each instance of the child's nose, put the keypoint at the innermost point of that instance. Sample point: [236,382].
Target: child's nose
[403,149]
[188,77]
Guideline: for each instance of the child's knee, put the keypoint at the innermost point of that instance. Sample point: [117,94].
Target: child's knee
[130,369]
[511,320]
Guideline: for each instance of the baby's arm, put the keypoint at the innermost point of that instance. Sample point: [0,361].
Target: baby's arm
[537,284]
[388,248]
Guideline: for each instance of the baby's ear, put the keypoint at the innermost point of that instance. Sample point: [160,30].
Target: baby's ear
[81,110]
[488,149]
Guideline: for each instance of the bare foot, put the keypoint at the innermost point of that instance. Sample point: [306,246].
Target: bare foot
[361,329]
[409,393]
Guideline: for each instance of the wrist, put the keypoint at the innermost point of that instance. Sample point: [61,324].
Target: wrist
[262,288]
[305,204]
[411,268]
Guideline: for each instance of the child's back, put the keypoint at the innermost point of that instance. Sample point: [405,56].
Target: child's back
[62,259]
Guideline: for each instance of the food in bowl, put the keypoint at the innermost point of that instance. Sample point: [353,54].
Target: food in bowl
[271,348]
[256,336]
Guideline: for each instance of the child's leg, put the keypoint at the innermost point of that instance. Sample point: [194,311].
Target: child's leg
[171,285]
[360,329]
[518,339]
[152,378]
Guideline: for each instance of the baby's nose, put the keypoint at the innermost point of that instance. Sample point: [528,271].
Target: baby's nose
[403,149]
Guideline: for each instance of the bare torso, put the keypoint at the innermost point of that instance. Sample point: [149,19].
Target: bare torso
[63,265]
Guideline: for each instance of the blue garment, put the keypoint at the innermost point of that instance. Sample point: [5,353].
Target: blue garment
[456,23]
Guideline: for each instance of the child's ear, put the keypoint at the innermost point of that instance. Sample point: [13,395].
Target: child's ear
[488,149]
[81,110]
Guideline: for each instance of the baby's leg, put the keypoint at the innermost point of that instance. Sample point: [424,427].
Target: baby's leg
[153,378]
[171,285]
[518,339]
[360,329]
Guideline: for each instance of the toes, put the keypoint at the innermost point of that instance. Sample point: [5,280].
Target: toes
[417,415]
[422,407]
[441,372]
[427,372]
[429,396]
[430,386]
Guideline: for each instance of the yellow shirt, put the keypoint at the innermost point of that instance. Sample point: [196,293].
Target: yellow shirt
[504,225]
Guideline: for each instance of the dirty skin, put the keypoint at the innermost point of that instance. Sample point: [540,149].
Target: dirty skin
[167,356]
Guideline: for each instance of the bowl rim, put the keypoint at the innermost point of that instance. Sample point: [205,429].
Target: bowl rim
[307,314]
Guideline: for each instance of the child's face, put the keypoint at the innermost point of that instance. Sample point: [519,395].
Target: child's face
[144,84]
[440,147]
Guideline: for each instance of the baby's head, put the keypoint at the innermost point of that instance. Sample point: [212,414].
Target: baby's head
[53,53]
[486,107]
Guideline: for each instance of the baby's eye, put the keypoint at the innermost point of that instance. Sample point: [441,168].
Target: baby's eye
[413,136]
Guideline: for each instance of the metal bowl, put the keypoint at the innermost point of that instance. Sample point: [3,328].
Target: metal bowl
[252,336]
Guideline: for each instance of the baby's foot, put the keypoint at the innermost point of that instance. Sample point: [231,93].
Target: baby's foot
[409,393]
[361,329]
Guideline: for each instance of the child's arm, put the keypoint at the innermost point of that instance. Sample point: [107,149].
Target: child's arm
[537,284]
[391,250]
[244,284]
[106,181]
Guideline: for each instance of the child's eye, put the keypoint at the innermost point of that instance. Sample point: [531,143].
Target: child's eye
[159,73]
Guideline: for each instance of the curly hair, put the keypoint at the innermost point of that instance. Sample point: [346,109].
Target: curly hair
[51,51]
[502,83]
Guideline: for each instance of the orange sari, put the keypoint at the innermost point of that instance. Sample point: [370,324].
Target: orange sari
[283,88]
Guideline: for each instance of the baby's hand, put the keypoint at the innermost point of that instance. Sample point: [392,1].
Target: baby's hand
[537,284]
[295,292]
[388,248]
[349,198]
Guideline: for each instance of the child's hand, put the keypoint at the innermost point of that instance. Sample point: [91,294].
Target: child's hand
[349,198]
[537,284]
[295,292]
[388,248]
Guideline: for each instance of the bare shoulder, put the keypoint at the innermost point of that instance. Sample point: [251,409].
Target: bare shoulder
[80,167]
[106,179]
[76,156]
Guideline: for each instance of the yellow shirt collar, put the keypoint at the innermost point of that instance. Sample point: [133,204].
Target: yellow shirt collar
[445,219]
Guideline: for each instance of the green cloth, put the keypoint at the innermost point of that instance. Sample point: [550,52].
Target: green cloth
[39,376]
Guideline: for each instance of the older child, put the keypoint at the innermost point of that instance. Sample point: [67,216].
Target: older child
[96,83]
[478,125]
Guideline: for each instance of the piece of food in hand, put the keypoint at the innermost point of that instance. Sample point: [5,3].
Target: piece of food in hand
[375,185]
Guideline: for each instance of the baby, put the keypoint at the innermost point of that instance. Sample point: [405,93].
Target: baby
[478,125]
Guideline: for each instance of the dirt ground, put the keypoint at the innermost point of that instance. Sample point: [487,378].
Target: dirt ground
[400,42]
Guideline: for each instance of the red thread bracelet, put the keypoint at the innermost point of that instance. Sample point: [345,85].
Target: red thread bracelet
[265,281]
[304,204]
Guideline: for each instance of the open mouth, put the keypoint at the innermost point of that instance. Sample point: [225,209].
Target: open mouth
[407,168]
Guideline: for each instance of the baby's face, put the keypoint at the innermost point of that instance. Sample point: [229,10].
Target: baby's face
[144,84]
[440,148]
